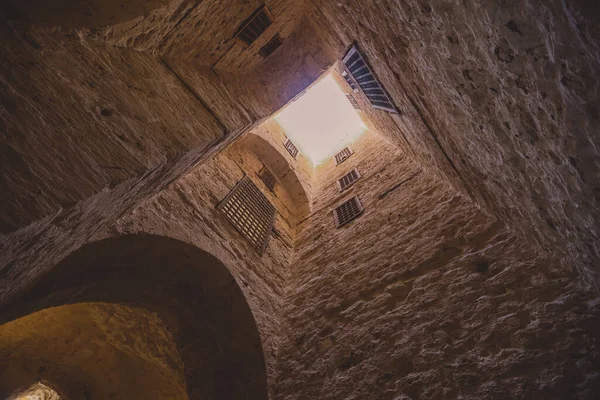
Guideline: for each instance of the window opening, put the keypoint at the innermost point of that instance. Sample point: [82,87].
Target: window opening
[343,155]
[352,101]
[364,77]
[347,211]
[267,177]
[250,212]
[270,47]
[348,180]
[254,26]
[349,81]
[291,148]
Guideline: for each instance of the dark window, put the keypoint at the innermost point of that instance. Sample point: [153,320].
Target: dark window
[348,211]
[267,177]
[250,213]
[343,155]
[291,148]
[348,180]
[352,101]
[270,47]
[254,26]
[349,81]
[362,74]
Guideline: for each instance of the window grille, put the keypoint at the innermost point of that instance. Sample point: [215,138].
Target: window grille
[362,74]
[267,177]
[250,212]
[347,211]
[343,155]
[348,180]
[291,148]
[352,101]
[349,81]
[254,26]
[270,47]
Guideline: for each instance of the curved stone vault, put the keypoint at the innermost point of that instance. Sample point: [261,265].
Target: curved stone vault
[135,316]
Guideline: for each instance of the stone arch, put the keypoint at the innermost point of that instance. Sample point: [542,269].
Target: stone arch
[294,193]
[193,294]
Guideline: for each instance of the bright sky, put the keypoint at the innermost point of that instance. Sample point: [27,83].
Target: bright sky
[322,121]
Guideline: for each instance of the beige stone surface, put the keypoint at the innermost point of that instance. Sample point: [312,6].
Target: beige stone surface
[84,349]
[427,296]
[507,92]
[471,273]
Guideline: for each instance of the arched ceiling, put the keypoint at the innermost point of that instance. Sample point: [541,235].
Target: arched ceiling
[192,293]
[298,202]
[97,350]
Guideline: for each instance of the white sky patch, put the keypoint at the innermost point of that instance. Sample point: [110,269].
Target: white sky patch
[321,122]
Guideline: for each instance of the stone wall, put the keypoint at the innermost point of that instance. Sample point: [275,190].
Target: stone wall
[184,210]
[187,211]
[78,117]
[427,296]
[501,97]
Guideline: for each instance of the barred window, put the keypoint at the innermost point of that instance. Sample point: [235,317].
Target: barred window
[348,180]
[254,26]
[250,212]
[362,74]
[347,211]
[270,47]
[267,177]
[291,148]
[343,155]
[352,101]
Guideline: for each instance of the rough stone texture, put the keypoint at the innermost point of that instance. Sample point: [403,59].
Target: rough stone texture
[77,118]
[301,166]
[78,115]
[190,291]
[187,211]
[427,296]
[83,350]
[507,90]
[467,276]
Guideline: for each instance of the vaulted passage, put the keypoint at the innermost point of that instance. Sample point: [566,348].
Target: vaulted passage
[135,316]
[293,199]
